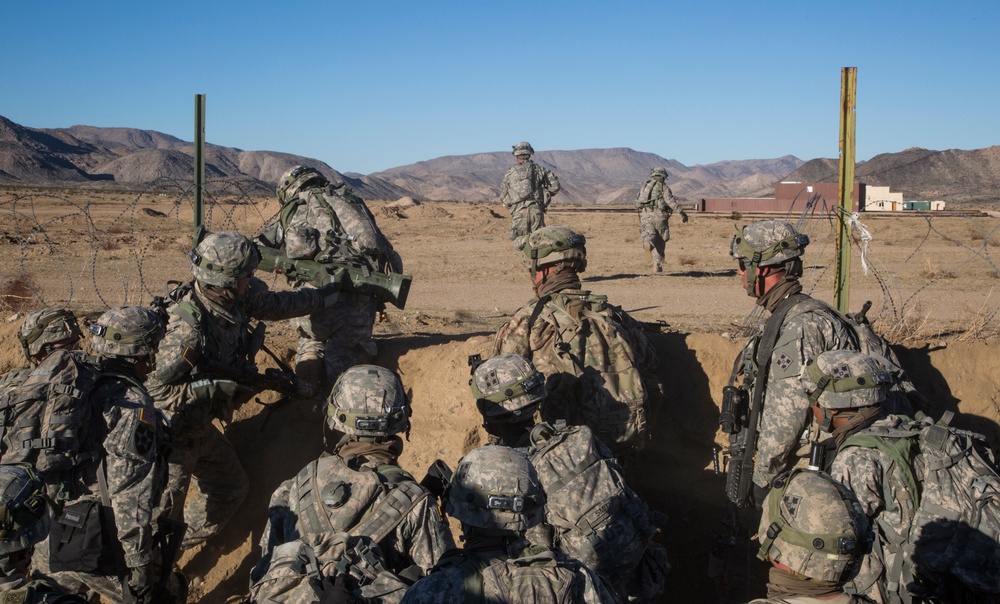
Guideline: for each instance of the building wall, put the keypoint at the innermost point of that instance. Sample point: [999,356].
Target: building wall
[789,197]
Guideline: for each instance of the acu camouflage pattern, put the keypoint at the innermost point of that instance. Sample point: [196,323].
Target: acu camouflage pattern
[289,575]
[513,386]
[222,259]
[330,501]
[371,392]
[495,471]
[210,333]
[129,331]
[871,380]
[17,588]
[526,190]
[820,527]
[537,575]
[810,328]
[332,223]
[595,358]
[26,518]
[937,516]
[594,515]
[45,327]
[763,235]
[656,203]
[127,434]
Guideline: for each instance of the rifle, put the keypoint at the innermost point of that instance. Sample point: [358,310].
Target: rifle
[738,458]
[437,478]
[355,277]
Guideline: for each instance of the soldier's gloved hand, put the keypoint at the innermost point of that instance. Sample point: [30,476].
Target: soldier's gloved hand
[340,594]
[759,495]
[684,216]
[217,391]
[331,291]
[140,582]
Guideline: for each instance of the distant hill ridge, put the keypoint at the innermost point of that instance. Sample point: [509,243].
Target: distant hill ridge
[88,156]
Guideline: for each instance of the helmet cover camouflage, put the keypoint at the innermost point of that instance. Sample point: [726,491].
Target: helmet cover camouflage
[24,508]
[845,379]
[368,400]
[128,331]
[768,243]
[813,525]
[44,328]
[659,172]
[223,259]
[295,179]
[552,244]
[496,489]
[523,149]
[508,388]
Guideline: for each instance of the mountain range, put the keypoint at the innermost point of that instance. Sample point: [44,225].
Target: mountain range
[93,157]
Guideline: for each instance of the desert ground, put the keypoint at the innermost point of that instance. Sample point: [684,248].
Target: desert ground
[931,281]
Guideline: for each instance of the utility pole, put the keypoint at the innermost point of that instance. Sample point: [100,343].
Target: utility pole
[199,164]
[848,114]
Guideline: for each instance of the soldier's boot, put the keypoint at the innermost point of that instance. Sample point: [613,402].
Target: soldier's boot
[657,267]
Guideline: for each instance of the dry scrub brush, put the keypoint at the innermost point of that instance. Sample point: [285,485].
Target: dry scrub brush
[18,293]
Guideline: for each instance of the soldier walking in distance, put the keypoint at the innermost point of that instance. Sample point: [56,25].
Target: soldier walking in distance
[496,495]
[527,190]
[204,369]
[656,203]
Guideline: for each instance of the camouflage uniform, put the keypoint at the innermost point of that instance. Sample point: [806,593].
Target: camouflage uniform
[527,190]
[125,440]
[496,495]
[192,392]
[321,221]
[815,528]
[25,523]
[656,203]
[42,332]
[358,499]
[539,332]
[810,328]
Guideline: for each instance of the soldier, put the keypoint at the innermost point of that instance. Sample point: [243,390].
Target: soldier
[328,222]
[110,479]
[655,203]
[25,523]
[814,534]
[42,332]
[799,328]
[591,513]
[357,504]
[496,495]
[203,370]
[527,191]
[595,357]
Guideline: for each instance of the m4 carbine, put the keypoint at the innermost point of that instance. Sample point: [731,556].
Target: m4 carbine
[735,420]
[392,288]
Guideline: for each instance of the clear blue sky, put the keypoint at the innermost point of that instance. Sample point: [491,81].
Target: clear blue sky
[366,86]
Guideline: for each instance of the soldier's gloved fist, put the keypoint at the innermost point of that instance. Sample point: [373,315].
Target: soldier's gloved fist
[331,291]
[759,495]
[140,582]
[340,594]
[684,217]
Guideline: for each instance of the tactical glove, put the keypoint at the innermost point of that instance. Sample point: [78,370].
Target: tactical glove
[684,216]
[340,594]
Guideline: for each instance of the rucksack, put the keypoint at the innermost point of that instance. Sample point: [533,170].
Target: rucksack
[360,508]
[290,573]
[537,574]
[522,182]
[593,378]
[44,422]
[948,487]
[597,518]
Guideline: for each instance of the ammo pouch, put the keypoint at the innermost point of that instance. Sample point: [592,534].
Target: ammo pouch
[76,542]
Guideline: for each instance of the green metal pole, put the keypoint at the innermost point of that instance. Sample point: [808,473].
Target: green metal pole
[848,112]
[199,164]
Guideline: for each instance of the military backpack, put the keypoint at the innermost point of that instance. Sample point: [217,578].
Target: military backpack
[592,369]
[289,573]
[537,575]
[944,483]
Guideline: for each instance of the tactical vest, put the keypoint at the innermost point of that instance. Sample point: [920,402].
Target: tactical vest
[536,574]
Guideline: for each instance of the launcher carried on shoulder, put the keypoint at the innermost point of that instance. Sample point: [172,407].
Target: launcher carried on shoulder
[392,288]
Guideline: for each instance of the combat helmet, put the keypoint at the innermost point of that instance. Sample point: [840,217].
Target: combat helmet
[128,331]
[767,243]
[659,172]
[523,149]
[24,513]
[845,379]
[295,179]
[495,489]
[368,401]
[223,259]
[508,388]
[552,244]
[45,328]
[813,525]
